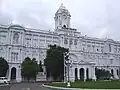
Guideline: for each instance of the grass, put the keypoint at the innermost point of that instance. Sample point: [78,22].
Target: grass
[115,84]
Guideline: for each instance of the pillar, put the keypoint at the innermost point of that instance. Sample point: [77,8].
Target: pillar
[72,74]
[7,54]
[21,56]
[115,73]
[90,73]
[9,75]
[18,74]
[23,35]
[93,73]
[12,37]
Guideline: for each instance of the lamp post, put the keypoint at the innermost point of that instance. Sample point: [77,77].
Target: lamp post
[67,62]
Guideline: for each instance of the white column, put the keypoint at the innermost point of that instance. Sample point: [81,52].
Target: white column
[18,74]
[72,74]
[9,75]
[20,56]
[90,73]
[20,43]
[93,73]
[45,41]
[12,37]
[10,55]
[7,54]
[23,38]
[115,73]
[8,37]
[84,74]
[32,40]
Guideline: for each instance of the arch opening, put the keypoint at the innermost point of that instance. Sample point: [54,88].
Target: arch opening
[82,74]
[64,26]
[112,72]
[117,72]
[13,73]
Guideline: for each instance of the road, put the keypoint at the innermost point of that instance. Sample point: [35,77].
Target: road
[24,86]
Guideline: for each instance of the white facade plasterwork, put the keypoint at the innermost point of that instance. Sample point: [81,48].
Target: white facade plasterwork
[18,42]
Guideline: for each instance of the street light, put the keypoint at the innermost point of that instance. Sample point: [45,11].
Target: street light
[67,62]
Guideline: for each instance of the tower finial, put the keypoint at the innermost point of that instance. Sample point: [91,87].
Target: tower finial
[61,6]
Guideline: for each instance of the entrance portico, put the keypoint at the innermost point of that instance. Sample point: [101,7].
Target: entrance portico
[82,71]
[14,73]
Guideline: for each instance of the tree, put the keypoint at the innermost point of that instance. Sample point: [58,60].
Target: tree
[54,61]
[102,74]
[3,67]
[29,68]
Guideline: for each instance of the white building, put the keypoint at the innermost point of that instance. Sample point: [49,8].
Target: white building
[18,42]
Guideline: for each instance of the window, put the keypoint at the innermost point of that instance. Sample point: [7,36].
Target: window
[71,42]
[109,48]
[101,49]
[93,47]
[15,38]
[64,26]
[65,41]
[111,61]
[97,49]
[75,42]
[83,49]
[14,56]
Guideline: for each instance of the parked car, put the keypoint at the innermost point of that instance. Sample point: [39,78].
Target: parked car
[4,80]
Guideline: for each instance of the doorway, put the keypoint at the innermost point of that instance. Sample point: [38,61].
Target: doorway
[13,73]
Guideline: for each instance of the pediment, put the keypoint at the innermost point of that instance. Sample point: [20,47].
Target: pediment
[84,62]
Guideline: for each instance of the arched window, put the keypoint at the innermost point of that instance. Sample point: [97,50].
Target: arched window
[15,38]
[75,42]
[111,61]
[71,41]
[64,26]
[65,41]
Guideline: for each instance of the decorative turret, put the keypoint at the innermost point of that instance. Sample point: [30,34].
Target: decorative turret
[62,18]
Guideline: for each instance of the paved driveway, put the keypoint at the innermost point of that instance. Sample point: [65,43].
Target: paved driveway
[24,86]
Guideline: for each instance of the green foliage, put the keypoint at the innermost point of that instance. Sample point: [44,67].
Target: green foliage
[102,74]
[3,67]
[29,68]
[54,61]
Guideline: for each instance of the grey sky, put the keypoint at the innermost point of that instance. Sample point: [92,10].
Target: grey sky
[95,18]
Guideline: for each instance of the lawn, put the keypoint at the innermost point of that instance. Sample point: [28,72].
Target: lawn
[91,84]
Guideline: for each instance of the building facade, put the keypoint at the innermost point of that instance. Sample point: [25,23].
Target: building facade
[86,53]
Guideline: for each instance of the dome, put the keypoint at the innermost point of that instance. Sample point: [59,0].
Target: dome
[15,26]
[62,9]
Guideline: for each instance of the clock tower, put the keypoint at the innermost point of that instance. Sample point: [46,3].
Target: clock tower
[62,18]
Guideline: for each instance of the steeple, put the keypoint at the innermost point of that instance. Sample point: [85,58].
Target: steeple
[62,17]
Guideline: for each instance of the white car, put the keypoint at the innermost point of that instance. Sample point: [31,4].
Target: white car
[4,80]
